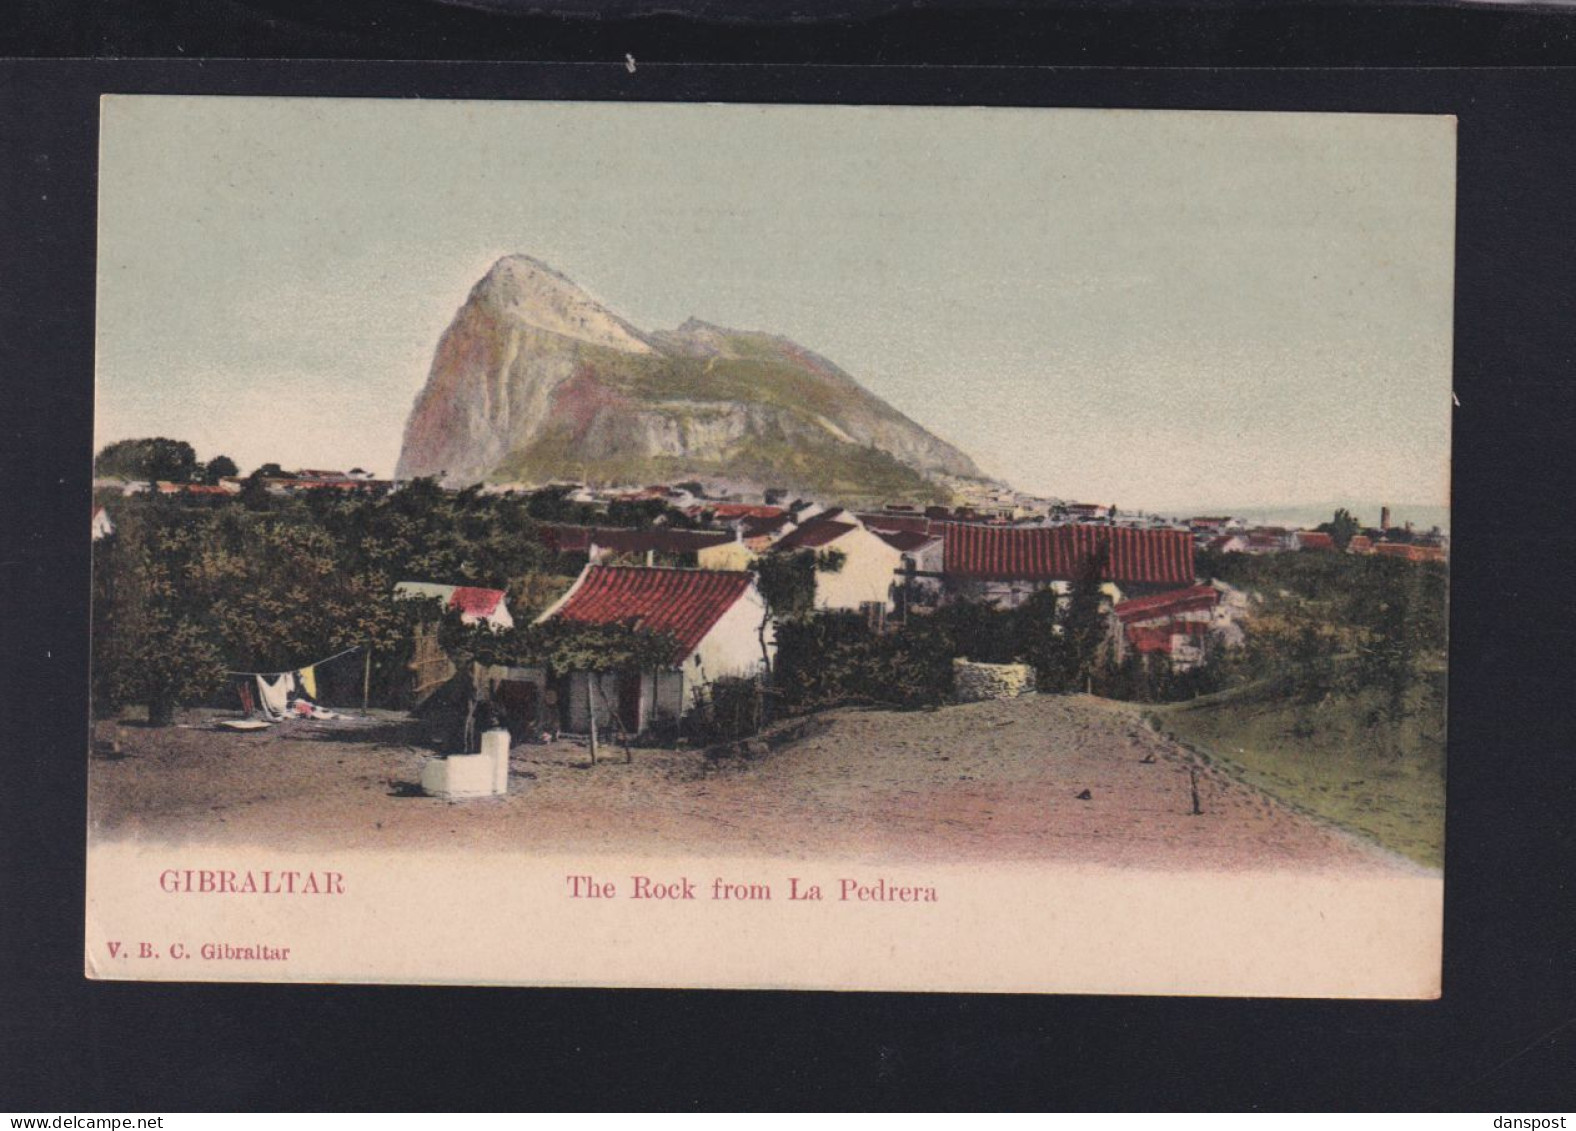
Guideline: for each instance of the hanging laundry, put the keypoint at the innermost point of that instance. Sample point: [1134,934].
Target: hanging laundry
[309,681]
[274,695]
[245,692]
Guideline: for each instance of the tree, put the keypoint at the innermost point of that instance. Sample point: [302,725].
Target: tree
[1040,641]
[272,471]
[151,645]
[1084,624]
[154,458]
[1341,529]
[254,493]
[787,585]
[218,468]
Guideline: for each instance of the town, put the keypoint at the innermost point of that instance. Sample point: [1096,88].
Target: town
[716,617]
[685,560]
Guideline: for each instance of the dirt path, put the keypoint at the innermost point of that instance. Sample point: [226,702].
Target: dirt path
[987,781]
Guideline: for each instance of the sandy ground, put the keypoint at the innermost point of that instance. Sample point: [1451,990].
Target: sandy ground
[988,781]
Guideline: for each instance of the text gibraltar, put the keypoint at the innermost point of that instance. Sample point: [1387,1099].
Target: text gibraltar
[223,881]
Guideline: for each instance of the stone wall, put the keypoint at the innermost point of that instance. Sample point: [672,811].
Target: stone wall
[976,682]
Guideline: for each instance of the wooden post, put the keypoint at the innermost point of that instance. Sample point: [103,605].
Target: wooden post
[591,712]
[366,682]
[1192,773]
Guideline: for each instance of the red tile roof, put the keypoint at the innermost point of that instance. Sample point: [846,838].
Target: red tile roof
[729,511]
[758,527]
[906,540]
[660,539]
[1159,637]
[892,522]
[1411,552]
[1169,604]
[684,602]
[1061,553]
[473,601]
[1315,540]
[814,534]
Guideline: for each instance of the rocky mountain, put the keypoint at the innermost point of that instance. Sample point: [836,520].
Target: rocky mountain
[534,380]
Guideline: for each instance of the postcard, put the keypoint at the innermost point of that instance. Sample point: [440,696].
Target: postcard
[805,547]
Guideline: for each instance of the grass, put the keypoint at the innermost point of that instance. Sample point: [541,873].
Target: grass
[850,473]
[1344,759]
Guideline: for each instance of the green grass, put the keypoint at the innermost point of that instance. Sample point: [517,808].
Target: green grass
[1344,759]
[849,473]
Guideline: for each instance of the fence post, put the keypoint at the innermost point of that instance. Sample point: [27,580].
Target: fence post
[366,682]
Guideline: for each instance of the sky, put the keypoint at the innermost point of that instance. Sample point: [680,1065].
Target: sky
[1141,307]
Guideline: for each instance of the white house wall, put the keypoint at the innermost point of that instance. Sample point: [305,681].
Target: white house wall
[733,646]
[870,568]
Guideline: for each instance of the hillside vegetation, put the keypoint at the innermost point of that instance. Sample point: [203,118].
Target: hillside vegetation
[1338,703]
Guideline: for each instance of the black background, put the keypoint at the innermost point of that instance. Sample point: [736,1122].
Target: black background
[1500,1039]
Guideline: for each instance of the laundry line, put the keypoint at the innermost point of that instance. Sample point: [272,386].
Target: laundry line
[303,667]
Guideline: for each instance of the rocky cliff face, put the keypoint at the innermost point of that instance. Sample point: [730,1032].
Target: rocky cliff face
[534,380]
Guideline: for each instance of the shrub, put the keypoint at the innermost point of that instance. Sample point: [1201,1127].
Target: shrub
[725,710]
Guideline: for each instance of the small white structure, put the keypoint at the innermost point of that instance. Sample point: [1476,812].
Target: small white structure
[102,526]
[461,776]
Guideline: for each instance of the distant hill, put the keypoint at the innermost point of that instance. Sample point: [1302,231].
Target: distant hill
[534,380]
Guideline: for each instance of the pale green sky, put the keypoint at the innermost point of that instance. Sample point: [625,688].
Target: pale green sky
[1148,307]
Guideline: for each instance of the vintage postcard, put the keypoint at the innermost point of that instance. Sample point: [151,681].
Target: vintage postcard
[835,547]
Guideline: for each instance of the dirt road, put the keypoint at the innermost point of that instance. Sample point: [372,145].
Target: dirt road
[987,781]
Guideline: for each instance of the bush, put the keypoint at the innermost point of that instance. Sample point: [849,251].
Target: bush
[725,710]
[834,658]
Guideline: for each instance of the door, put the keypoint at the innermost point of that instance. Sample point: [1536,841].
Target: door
[520,705]
[629,700]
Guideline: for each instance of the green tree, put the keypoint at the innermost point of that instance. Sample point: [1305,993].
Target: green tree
[787,580]
[152,459]
[1085,627]
[151,645]
[1341,528]
[254,493]
[1040,641]
[218,468]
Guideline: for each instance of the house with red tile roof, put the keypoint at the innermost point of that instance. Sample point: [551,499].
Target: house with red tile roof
[1410,551]
[1176,624]
[881,521]
[475,605]
[867,580]
[1005,564]
[1314,540]
[713,616]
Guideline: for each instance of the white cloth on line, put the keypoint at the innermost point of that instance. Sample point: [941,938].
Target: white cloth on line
[274,695]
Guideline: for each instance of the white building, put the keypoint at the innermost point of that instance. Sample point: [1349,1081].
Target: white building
[870,568]
[715,618]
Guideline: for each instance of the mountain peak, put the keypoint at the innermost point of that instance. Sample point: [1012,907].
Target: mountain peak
[515,394]
[525,291]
